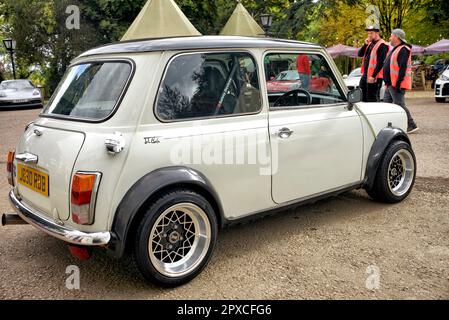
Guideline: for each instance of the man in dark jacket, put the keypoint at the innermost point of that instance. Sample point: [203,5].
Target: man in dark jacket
[397,74]
[373,53]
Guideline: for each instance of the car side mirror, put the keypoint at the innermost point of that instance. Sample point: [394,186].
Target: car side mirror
[354,96]
[345,76]
[272,78]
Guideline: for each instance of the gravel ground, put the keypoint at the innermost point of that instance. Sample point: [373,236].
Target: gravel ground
[320,251]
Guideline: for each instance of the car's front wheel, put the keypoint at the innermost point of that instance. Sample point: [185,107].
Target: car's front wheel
[440,100]
[176,238]
[396,174]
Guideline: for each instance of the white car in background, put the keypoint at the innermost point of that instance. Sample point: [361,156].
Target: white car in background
[19,94]
[353,81]
[442,87]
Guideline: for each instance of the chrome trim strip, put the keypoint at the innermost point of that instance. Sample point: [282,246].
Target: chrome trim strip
[72,236]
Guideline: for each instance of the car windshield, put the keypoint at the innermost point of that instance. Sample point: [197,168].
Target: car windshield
[17,85]
[355,73]
[288,76]
[90,90]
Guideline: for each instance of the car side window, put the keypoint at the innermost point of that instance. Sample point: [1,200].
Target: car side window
[207,85]
[299,80]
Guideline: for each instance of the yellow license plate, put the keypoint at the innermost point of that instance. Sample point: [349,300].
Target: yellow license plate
[33,179]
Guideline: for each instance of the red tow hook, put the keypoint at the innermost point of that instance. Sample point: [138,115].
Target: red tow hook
[81,253]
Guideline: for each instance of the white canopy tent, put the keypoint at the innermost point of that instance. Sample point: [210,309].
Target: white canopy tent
[241,23]
[160,19]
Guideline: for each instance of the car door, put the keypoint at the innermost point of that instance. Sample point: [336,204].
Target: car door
[316,141]
[210,118]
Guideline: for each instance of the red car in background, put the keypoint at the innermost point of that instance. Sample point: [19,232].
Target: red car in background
[289,80]
[284,82]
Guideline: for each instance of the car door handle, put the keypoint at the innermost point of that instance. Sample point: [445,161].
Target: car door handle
[115,143]
[27,158]
[285,133]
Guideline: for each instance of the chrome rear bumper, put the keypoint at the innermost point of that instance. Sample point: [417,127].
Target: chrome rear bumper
[40,221]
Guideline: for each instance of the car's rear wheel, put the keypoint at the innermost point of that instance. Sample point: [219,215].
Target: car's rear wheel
[396,175]
[176,238]
[440,100]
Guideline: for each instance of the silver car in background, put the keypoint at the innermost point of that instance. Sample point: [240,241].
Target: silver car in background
[19,94]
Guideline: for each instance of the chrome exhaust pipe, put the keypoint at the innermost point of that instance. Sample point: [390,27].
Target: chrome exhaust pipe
[12,219]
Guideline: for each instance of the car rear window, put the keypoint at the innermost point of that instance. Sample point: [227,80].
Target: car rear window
[90,90]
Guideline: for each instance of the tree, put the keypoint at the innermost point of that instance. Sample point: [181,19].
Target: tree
[64,44]
[110,18]
[295,20]
[393,13]
[390,14]
[339,23]
[437,10]
[29,22]
[204,14]
[436,15]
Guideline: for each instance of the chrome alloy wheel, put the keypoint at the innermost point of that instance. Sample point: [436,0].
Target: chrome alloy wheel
[179,240]
[401,172]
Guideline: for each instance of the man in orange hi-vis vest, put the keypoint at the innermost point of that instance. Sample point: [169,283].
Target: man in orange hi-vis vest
[398,74]
[374,53]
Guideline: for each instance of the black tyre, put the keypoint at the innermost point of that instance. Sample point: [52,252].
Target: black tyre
[396,175]
[440,100]
[176,238]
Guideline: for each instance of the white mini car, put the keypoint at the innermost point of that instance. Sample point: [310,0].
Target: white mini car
[152,146]
[442,87]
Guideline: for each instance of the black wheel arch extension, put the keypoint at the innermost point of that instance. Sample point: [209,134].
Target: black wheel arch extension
[385,137]
[149,187]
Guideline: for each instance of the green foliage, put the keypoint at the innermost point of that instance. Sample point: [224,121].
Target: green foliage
[395,13]
[345,27]
[110,18]
[437,11]
[29,22]
[433,58]
[204,14]
[64,44]
[296,19]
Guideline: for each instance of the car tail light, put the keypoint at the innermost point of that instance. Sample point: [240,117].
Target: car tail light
[10,167]
[84,196]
